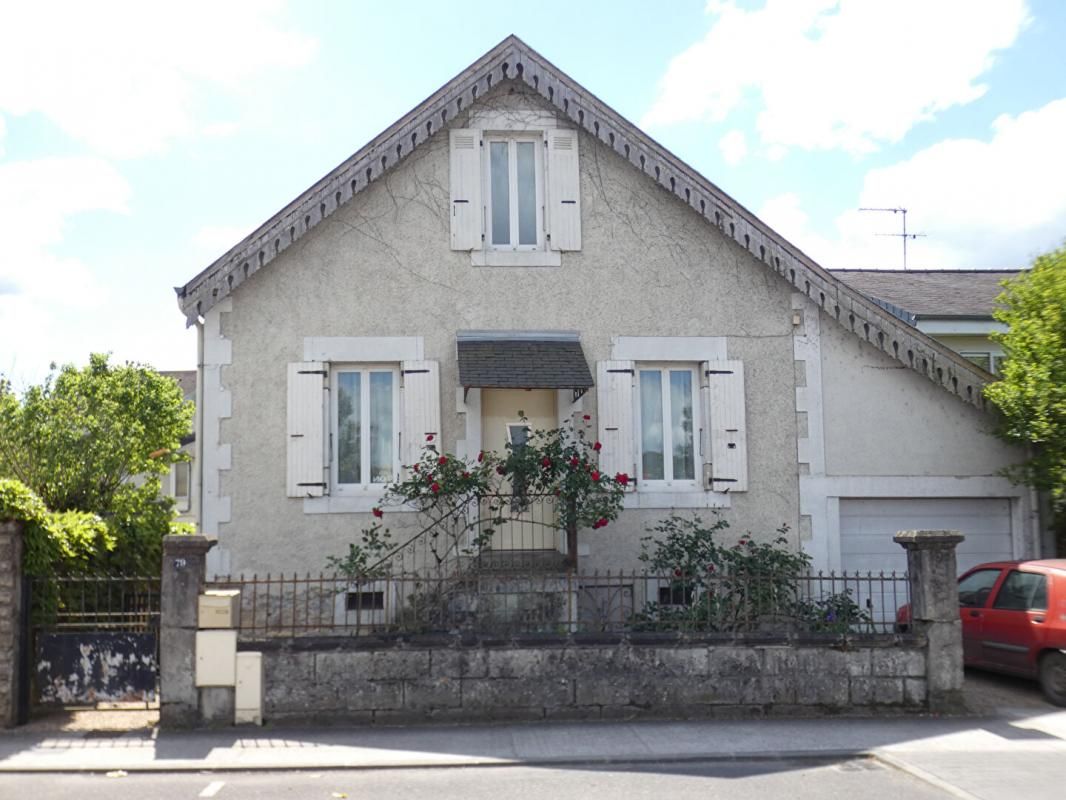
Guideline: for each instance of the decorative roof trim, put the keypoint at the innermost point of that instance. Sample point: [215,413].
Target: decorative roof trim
[512,59]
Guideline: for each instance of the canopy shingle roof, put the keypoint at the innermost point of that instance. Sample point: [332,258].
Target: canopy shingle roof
[522,363]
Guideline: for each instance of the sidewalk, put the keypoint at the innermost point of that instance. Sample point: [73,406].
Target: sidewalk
[982,756]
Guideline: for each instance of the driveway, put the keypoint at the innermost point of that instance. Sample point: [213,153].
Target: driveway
[988,693]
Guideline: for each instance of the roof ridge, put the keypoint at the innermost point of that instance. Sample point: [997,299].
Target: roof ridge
[850,308]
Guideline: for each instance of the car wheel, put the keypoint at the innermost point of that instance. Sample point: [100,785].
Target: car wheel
[1053,677]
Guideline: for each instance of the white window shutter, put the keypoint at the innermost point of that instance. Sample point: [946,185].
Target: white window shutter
[466,212]
[421,409]
[614,401]
[564,195]
[306,462]
[728,431]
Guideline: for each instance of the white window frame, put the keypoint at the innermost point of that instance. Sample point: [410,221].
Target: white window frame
[364,488]
[512,138]
[182,502]
[669,483]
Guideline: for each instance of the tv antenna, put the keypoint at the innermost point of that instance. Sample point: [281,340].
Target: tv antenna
[905,236]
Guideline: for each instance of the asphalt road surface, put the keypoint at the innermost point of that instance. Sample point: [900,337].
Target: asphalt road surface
[735,780]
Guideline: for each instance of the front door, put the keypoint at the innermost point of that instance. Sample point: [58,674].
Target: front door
[507,417]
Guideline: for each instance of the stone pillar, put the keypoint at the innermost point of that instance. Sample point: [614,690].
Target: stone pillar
[10,620]
[935,611]
[184,572]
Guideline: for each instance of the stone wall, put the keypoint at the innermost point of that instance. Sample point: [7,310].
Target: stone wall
[636,676]
[10,620]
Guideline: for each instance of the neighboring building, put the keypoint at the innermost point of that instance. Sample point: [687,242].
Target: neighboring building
[179,483]
[513,244]
[952,306]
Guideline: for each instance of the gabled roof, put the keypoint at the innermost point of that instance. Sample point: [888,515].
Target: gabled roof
[512,59]
[932,294]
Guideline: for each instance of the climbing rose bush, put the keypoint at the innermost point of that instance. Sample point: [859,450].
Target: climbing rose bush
[442,488]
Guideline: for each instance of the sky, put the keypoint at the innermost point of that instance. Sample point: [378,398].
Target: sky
[139,141]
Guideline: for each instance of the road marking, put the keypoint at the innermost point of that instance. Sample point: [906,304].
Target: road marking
[212,788]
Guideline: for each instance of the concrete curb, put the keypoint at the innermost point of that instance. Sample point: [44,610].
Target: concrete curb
[811,756]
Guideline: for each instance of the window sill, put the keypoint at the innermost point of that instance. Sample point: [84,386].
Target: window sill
[345,504]
[691,499]
[515,258]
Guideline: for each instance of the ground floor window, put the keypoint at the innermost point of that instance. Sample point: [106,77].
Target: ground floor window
[667,433]
[365,426]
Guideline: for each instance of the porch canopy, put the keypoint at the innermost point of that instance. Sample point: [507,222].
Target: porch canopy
[522,360]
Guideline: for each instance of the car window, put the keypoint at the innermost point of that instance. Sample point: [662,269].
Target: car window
[975,588]
[1022,591]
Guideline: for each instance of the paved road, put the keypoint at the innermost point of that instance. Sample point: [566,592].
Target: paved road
[733,781]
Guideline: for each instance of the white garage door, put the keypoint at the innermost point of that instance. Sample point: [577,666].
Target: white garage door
[867,526]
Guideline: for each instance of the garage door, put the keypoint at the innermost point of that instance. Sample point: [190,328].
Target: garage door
[867,526]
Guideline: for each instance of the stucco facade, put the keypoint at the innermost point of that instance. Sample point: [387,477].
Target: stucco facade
[821,405]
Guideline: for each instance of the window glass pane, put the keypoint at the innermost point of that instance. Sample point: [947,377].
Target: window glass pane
[651,425]
[349,433]
[681,424]
[518,435]
[181,479]
[500,189]
[983,360]
[381,465]
[975,588]
[1022,591]
[527,193]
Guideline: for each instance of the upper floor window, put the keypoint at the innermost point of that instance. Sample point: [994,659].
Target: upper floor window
[515,195]
[515,191]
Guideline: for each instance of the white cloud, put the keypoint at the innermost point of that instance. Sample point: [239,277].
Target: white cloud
[123,76]
[849,74]
[991,203]
[734,147]
[214,240]
[42,288]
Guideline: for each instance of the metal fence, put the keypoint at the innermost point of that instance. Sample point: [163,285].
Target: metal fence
[506,602]
[94,603]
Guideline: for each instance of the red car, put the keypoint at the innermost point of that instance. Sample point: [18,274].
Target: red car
[1014,621]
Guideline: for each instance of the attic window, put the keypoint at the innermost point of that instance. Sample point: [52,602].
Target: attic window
[515,193]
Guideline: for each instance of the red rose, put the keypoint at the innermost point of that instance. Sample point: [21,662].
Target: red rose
[416,467]
[442,460]
[622,478]
[595,525]
[743,541]
[595,475]
[586,417]
[677,573]
[597,447]
[602,522]
[429,437]
[500,470]
[710,567]
[545,462]
[481,456]
[575,461]
[466,474]
[377,512]
[435,488]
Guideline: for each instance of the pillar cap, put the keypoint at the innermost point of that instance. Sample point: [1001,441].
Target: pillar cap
[187,544]
[921,540]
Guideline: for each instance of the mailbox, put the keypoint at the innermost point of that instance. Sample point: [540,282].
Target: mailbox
[219,608]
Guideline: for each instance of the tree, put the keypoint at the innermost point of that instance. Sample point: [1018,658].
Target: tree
[1032,391]
[97,439]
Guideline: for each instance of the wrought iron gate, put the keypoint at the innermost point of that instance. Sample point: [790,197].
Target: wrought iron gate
[92,639]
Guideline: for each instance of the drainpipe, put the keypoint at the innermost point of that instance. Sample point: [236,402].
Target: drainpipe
[198,430]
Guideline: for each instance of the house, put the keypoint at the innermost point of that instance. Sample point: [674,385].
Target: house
[952,306]
[514,247]
[179,483]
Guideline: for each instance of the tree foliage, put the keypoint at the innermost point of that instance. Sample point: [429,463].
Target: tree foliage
[92,444]
[1032,391]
